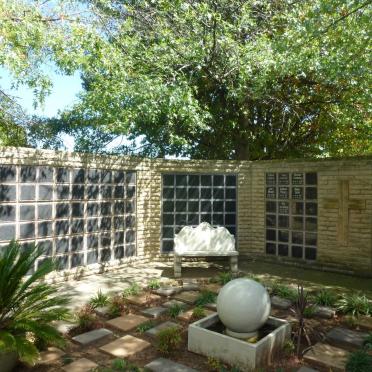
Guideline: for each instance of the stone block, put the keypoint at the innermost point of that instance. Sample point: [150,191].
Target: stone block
[143,299]
[155,330]
[102,310]
[62,326]
[92,336]
[50,355]
[280,303]
[211,306]
[324,312]
[346,338]
[186,316]
[167,291]
[154,312]
[126,322]
[188,297]
[167,365]
[80,365]
[125,346]
[213,287]
[364,322]
[327,357]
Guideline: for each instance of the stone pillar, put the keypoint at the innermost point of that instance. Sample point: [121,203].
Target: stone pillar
[234,265]
[177,266]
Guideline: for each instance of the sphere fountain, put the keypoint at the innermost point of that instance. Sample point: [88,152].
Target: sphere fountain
[242,332]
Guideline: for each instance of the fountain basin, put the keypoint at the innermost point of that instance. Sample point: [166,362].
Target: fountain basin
[205,338]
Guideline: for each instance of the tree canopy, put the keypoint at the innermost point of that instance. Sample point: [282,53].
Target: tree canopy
[229,79]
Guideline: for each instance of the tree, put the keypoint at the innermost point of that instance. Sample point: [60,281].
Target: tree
[231,79]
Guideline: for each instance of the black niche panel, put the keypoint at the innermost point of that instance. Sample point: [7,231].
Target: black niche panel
[291,214]
[189,199]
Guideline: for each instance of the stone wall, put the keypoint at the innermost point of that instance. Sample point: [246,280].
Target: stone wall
[344,203]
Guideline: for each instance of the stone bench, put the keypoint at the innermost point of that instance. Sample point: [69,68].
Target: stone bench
[204,241]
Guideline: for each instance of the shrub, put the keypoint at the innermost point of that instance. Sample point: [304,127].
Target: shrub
[205,297]
[309,311]
[198,312]
[215,364]
[167,340]
[354,304]
[143,327]
[284,291]
[368,342]
[86,318]
[224,277]
[99,300]
[175,310]
[118,365]
[116,306]
[133,290]
[27,306]
[359,361]
[289,348]
[153,284]
[325,298]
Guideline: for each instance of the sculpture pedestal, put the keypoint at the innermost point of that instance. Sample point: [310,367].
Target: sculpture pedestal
[241,335]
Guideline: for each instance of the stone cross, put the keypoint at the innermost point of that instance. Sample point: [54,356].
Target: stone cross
[344,204]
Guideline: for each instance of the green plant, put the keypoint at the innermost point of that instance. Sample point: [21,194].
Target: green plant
[198,312]
[300,307]
[27,306]
[214,364]
[99,300]
[309,311]
[284,291]
[116,306]
[86,318]
[289,348]
[205,297]
[354,304]
[133,290]
[368,342]
[359,361]
[325,298]
[143,327]
[153,284]
[175,309]
[118,365]
[167,340]
[224,277]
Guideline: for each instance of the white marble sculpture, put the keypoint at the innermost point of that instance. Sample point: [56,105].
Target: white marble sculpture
[204,240]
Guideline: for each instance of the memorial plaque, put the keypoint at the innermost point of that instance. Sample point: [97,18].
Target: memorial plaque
[283,193]
[297,193]
[283,178]
[270,178]
[271,192]
[297,179]
[283,207]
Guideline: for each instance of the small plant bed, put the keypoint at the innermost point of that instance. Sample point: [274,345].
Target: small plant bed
[307,329]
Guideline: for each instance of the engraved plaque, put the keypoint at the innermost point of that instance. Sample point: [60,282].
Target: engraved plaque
[271,192]
[270,178]
[283,179]
[297,179]
[297,193]
[283,192]
[283,207]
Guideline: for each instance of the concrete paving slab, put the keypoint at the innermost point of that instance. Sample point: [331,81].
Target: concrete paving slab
[142,299]
[80,365]
[327,356]
[280,303]
[346,338]
[92,336]
[172,303]
[188,297]
[324,312]
[186,316]
[126,322]
[167,291]
[50,355]
[154,312]
[155,330]
[167,365]
[125,346]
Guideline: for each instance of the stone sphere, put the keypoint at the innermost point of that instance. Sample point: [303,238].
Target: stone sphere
[243,305]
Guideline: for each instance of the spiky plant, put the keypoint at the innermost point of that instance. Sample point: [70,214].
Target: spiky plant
[27,306]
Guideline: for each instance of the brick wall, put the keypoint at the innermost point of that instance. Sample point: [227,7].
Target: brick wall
[344,201]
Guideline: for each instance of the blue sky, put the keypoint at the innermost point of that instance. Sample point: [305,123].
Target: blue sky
[64,91]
